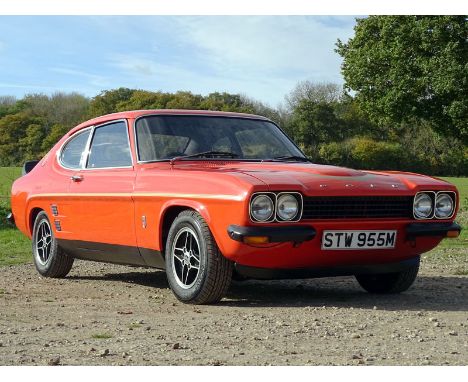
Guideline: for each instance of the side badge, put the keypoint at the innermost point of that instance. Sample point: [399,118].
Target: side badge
[58,227]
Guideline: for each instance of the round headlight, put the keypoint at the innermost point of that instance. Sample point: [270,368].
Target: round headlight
[422,206]
[443,206]
[287,207]
[262,208]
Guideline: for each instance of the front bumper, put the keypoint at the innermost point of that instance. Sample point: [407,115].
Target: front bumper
[415,230]
[10,218]
[300,233]
[277,234]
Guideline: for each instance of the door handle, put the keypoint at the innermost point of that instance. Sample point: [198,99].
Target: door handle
[77,178]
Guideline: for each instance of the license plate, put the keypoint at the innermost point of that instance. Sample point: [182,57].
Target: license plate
[358,239]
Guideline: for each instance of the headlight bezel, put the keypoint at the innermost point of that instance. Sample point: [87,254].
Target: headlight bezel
[453,197]
[274,197]
[432,195]
[297,216]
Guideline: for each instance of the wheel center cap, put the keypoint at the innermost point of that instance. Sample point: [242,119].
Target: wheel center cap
[186,257]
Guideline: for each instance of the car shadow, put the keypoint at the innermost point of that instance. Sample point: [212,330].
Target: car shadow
[156,279]
[435,293]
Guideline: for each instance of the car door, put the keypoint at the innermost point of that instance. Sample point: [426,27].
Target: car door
[101,193]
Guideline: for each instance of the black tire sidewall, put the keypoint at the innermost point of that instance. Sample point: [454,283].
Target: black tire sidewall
[43,269]
[192,292]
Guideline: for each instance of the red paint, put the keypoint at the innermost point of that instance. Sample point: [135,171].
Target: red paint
[107,205]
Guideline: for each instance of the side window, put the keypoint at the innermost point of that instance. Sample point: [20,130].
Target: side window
[110,147]
[73,151]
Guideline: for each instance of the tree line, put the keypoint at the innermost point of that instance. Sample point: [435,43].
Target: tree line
[403,105]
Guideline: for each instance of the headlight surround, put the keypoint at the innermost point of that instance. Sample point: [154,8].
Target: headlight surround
[423,205]
[444,206]
[287,207]
[262,208]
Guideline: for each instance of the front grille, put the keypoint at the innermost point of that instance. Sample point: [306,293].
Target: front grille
[357,207]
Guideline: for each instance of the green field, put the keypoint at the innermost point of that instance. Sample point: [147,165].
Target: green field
[15,248]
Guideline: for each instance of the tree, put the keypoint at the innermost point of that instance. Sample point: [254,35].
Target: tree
[313,124]
[108,101]
[319,92]
[410,68]
[19,133]
[59,108]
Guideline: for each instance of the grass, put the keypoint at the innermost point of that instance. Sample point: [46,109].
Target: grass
[15,248]
[462,217]
[102,336]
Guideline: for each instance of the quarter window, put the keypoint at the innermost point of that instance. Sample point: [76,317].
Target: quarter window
[73,152]
[110,147]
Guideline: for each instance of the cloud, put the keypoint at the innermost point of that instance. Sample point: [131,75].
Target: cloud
[263,57]
[93,79]
[143,71]
[281,46]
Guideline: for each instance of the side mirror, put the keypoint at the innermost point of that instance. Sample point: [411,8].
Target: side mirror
[28,166]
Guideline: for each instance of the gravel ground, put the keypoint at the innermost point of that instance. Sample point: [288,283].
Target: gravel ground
[105,314]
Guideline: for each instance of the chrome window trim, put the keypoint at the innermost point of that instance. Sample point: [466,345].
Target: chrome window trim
[250,117]
[88,146]
[60,150]
[433,204]
[454,199]
[299,214]
[273,198]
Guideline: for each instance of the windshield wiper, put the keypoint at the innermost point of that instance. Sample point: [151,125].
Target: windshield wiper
[287,158]
[207,154]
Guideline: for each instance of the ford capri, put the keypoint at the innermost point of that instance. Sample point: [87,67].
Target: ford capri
[212,196]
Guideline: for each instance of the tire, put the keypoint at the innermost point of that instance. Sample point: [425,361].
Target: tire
[208,284]
[388,283]
[50,260]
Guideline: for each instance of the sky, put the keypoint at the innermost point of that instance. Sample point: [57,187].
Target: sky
[262,57]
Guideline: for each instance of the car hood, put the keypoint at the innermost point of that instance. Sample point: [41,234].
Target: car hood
[314,179]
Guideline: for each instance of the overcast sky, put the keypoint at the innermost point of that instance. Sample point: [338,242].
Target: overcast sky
[261,57]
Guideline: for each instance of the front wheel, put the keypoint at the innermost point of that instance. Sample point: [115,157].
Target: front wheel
[49,258]
[196,270]
[387,283]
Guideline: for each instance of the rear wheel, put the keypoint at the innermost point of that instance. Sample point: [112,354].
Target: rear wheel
[196,270]
[387,283]
[49,258]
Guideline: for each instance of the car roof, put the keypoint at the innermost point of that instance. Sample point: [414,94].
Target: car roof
[139,113]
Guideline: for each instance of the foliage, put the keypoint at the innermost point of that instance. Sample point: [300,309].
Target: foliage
[405,107]
[322,92]
[364,153]
[410,68]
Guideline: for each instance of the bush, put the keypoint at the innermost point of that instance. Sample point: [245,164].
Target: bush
[363,152]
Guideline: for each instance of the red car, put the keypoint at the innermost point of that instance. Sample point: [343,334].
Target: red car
[209,196]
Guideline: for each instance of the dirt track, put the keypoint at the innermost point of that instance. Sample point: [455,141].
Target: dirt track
[103,314]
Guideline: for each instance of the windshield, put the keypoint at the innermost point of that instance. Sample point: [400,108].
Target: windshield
[162,137]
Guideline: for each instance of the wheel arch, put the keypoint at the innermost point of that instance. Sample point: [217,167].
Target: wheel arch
[32,218]
[169,212]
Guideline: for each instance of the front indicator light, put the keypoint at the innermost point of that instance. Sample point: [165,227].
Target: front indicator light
[256,239]
[453,234]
